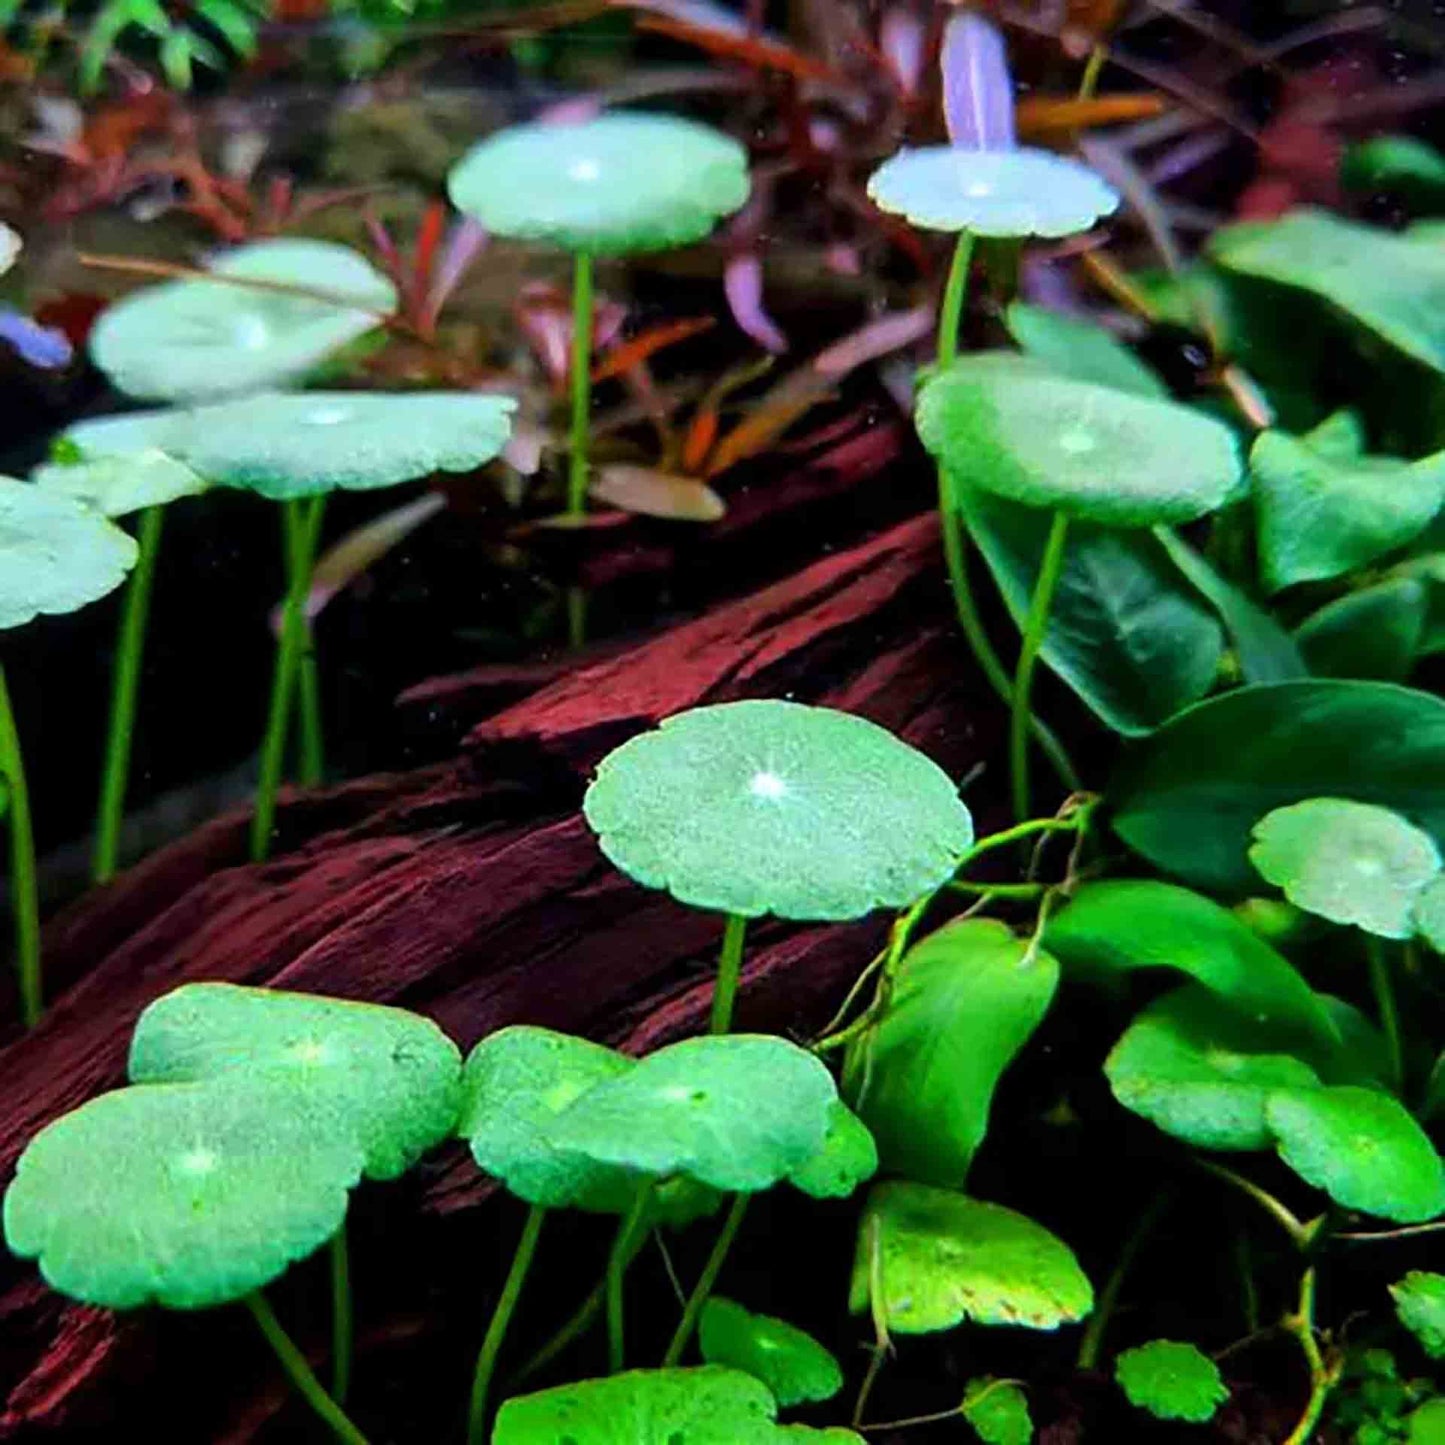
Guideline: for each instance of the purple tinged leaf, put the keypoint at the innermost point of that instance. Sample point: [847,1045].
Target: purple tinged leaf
[888,333]
[743,285]
[978,94]
[903,36]
[37,345]
[463,245]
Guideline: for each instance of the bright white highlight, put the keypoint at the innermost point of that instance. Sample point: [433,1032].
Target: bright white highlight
[198,1161]
[767,785]
[327,415]
[584,171]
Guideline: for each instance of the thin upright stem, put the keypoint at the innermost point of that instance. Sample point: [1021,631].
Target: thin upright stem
[1035,625]
[1301,1325]
[702,1291]
[1093,1340]
[581,384]
[497,1327]
[617,1261]
[300,1373]
[343,1330]
[312,768]
[729,971]
[283,684]
[1383,986]
[24,893]
[124,690]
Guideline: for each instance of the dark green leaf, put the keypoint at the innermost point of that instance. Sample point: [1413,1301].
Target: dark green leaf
[1081,349]
[1375,633]
[790,1362]
[1399,164]
[998,1410]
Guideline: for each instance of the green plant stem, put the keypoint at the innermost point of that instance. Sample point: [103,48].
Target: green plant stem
[1092,1343]
[124,690]
[1383,986]
[1301,1324]
[583,321]
[304,536]
[618,1259]
[283,685]
[729,971]
[1300,1233]
[301,1374]
[692,1311]
[497,1327]
[955,298]
[24,893]
[343,1331]
[1035,625]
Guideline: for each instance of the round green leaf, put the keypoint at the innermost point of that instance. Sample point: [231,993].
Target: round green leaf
[1430,914]
[1011,193]
[1362,1148]
[1203,1072]
[1172,1380]
[125,434]
[184,1195]
[117,486]
[963,1003]
[1188,798]
[304,443]
[1420,1303]
[1081,349]
[1427,1424]
[790,1362]
[1017,429]
[848,1158]
[939,1258]
[201,338]
[998,1410]
[773,807]
[1352,863]
[617,184]
[389,1079]
[738,1112]
[707,1406]
[515,1084]
[56,554]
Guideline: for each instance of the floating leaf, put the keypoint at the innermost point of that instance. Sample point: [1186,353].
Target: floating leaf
[773,807]
[1202,1072]
[1013,193]
[707,1406]
[125,434]
[117,486]
[387,1078]
[200,338]
[1321,516]
[1172,1380]
[1375,633]
[1362,1148]
[583,188]
[1430,915]
[1352,863]
[943,1258]
[184,1195]
[848,1158]
[1129,923]
[55,553]
[1188,797]
[307,443]
[739,1112]
[1012,427]
[998,1410]
[1125,631]
[963,1003]
[790,1362]
[1081,349]
[1420,1303]
[649,492]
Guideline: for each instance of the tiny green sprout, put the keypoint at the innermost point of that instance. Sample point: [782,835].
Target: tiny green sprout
[614,185]
[187,1196]
[1346,861]
[928,1259]
[1172,1380]
[118,467]
[56,555]
[789,1361]
[767,807]
[998,1410]
[274,311]
[1420,1303]
[1016,429]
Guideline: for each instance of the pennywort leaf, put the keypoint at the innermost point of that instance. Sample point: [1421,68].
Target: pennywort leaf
[1172,1380]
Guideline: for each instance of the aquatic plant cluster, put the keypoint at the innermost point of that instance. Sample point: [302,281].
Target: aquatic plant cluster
[1240,583]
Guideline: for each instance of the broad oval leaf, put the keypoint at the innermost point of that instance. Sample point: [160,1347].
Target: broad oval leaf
[385,1077]
[1375,633]
[1014,428]
[1081,349]
[1420,1303]
[1128,923]
[938,1258]
[774,807]
[1202,1072]
[1362,1148]
[1172,1380]
[1188,797]
[202,338]
[848,1158]
[56,554]
[963,1003]
[117,486]
[789,1361]
[1352,863]
[738,1112]
[183,1195]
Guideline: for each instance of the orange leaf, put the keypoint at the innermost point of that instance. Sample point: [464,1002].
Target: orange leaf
[700,438]
[759,54]
[1098,17]
[1040,114]
[621,359]
[793,397]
